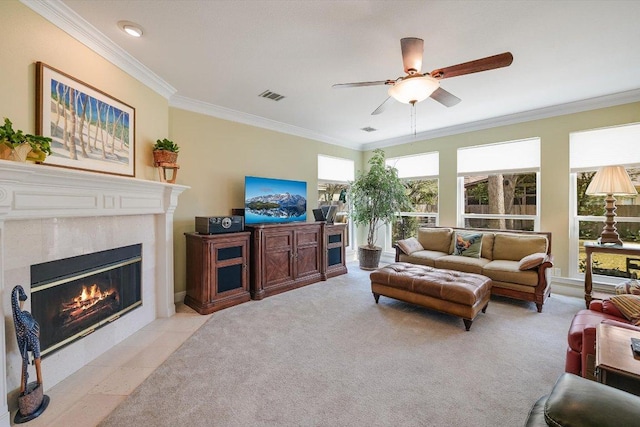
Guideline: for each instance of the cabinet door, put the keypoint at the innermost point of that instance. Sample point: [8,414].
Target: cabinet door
[230,269]
[278,258]
[307,251]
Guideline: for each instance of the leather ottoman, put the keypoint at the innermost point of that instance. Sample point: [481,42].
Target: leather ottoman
[448,291]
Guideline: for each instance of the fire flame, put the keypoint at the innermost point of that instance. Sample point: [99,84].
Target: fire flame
[91,296]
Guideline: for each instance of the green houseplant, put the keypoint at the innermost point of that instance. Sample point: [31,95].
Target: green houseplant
[377,196]
[18,146]
[165,151]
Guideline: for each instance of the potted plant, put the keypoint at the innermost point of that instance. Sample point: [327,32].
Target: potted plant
[377,195]
[165,151]
[18,146]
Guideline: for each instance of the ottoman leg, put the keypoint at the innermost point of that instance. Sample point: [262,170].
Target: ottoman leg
[484,309]
[467,323]
[376,296]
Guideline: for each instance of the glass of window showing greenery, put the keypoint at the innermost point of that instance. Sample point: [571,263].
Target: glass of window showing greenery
[500,194]
[423,194]
[589,228]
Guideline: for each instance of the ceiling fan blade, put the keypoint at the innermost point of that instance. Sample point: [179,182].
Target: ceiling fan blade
[382,107]
[412,49]
[489,63]
[360,84]
[445,98]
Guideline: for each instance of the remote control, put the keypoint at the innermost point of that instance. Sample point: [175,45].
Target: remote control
[635,346]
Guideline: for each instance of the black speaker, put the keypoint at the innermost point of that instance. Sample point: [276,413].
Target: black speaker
[219,224]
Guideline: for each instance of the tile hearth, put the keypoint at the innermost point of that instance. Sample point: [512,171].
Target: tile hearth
[89,395]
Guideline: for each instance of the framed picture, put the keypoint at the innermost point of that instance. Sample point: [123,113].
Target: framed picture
[90,130]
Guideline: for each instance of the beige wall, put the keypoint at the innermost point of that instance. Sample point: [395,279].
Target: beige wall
[28,38]
[215,156]
[554,175]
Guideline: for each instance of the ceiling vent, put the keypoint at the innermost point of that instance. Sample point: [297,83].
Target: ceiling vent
[369,129]
[271,95]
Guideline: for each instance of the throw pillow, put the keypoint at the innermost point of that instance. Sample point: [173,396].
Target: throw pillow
[532,261]
[467,244]
[409,245]
[629,306]
[631,286]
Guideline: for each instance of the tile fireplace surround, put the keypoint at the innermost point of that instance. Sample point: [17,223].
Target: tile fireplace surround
[49,213]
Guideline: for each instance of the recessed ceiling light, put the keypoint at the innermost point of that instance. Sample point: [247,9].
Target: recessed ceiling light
[130,28]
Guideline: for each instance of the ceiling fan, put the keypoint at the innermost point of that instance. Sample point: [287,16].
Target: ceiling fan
[415,86]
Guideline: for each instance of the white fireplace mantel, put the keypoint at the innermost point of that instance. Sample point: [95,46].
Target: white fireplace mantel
[32,191]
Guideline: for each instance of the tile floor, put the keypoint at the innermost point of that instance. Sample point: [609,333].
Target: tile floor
[89,395]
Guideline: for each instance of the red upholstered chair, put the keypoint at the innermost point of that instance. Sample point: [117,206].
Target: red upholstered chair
[581,347]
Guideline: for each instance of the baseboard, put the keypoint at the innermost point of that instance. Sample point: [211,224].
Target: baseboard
[179,296]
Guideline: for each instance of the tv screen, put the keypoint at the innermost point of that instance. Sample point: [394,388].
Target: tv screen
[274,200]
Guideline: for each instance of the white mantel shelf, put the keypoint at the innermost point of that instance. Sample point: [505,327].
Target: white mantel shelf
[31,191]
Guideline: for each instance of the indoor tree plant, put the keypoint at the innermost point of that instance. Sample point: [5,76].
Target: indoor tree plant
[377,196]
[18,146]
[165,151]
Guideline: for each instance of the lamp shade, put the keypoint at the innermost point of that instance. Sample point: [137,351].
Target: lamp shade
[413,89]
[611,180]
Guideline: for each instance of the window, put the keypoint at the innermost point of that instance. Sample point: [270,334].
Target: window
[498,185]
[587,154]
[334,175]
[420,174]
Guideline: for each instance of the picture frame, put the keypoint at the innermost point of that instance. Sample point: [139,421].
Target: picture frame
[101,126]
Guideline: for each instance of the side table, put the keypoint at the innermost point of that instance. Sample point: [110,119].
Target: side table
[593,247]
[616,364]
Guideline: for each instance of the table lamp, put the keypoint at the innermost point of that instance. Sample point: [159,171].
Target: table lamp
[610,180]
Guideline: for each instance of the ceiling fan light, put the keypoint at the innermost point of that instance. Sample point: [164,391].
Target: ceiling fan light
[413,89]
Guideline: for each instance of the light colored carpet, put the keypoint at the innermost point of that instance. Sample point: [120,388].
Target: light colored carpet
[327,355]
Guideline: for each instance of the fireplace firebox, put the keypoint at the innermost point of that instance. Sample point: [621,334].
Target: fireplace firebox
[72,297]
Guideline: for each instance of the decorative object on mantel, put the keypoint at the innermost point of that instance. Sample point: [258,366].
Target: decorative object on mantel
[32,401]
[90,130]
[377,196]
[610,180]
[165,155]
[17,146]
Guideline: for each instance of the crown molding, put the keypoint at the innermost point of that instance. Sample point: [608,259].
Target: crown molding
[77,27]
[66,19]
[208,109]
[604,101]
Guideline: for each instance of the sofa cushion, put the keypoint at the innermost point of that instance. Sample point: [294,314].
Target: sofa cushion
[409,245]
[487,245]
[629,306]
[532,261]
[435,239]
[509,271]
[423,257]
[514,247]
[631,286]
[467,244]
[461,263]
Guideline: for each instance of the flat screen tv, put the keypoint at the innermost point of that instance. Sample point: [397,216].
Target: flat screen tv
[274,200]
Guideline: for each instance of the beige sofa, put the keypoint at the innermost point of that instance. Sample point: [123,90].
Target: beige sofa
[516,261]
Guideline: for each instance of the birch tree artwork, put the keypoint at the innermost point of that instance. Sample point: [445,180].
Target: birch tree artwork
[89,129]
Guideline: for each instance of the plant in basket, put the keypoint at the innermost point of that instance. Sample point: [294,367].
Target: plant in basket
[165,151]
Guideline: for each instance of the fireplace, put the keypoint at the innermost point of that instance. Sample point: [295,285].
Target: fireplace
[72,297]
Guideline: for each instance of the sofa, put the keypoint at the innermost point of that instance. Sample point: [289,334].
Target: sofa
[516,261]
[575,401]
[581,340]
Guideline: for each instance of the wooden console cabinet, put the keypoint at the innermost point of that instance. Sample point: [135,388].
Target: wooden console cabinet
[217,271]
[285,256]
[335,236]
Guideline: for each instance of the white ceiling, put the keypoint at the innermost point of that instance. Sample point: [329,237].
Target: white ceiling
[218,56]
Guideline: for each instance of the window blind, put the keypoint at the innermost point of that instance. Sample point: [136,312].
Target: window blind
[335,169]
[513,156]
[425,165]
[619,145]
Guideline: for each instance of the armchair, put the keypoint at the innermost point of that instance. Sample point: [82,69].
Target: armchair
[581,339]
[575,401]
